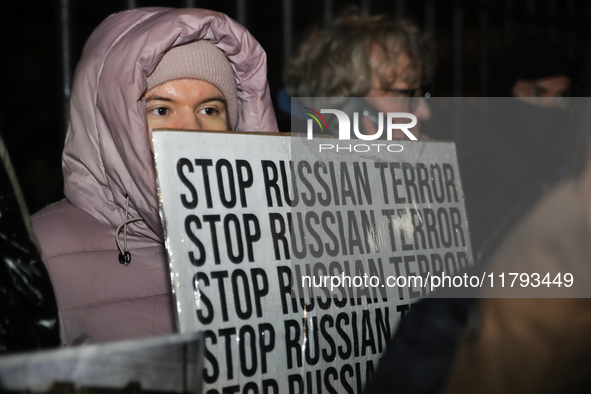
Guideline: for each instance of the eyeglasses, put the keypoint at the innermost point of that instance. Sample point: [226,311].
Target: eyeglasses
[413,96]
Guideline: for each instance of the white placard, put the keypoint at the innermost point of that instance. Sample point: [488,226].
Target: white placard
[228,201]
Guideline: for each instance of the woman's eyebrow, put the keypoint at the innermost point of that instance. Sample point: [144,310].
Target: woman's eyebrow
[159,98]
[215,98]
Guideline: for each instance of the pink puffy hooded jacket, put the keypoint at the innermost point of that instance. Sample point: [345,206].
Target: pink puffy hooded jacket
[107,155]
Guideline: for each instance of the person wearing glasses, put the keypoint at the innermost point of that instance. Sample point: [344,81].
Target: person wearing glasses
[386,63]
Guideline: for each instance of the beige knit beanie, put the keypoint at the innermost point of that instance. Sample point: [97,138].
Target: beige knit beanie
[199,60]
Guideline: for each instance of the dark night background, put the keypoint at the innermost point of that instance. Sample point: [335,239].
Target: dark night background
[469,36]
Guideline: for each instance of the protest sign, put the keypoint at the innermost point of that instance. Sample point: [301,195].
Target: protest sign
[298,263]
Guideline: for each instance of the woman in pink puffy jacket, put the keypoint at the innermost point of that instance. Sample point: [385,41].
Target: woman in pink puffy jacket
[140,69]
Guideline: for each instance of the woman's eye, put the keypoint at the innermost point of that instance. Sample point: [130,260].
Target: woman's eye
[209,111]
[159,111]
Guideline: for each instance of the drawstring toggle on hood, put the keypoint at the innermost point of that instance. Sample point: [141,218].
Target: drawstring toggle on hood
[124,255]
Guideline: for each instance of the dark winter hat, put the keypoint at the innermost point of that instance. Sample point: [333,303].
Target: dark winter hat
[530,58]
[199,60]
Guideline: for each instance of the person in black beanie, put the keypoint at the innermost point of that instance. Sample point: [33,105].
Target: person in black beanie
[521,158]
[533,67]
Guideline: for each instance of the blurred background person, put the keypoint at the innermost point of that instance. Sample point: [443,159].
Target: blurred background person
[385,62]
[528,343]
[535,68]
[537,345]
[526,150]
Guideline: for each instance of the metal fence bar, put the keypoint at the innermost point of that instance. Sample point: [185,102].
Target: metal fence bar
[365,7]
[66,61]
[483,29]
[399,9]
[458,37]
[241,11]
[1,116]
[571,15]
[191,3]
[508,22]
[587,37]
[458,16]
[430,28]
[131,4]
[430,17]
[531,15]
[483,103]
[328,12]
[552,20]
[287,29]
